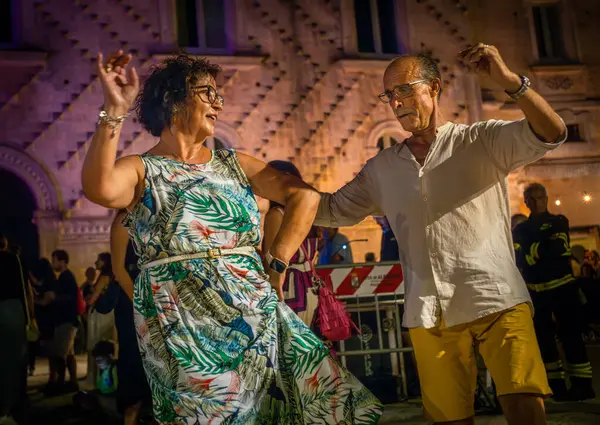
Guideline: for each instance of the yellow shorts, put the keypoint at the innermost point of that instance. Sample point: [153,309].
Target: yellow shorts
[447,366]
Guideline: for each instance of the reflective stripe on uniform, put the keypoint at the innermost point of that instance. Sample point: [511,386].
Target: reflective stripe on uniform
[556,375]
[539,287]
[565,238]
[580,370]
[557,365]
[533,253]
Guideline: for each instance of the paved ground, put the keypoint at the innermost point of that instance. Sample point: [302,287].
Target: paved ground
[60,410]
[573,414]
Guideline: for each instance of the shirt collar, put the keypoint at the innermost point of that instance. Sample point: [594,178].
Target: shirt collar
[403,150]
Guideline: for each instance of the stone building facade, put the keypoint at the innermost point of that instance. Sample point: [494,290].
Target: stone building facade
[300,80]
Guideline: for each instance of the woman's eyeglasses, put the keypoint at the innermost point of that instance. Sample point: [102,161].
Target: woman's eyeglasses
[208,94]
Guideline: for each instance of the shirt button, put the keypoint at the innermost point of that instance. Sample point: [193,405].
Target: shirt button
[433,254]
[424,198]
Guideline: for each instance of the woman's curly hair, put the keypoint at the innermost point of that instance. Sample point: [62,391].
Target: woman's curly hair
[166,90]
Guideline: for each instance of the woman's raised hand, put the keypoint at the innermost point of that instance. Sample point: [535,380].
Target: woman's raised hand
[120,82]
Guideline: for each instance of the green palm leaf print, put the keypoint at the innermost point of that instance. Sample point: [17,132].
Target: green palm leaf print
[220,213]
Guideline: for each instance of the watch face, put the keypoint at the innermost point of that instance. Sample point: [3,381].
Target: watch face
[277,265]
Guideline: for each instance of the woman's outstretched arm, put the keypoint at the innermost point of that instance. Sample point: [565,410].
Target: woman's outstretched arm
[105,181]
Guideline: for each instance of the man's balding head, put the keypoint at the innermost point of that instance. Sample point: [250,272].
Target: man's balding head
[412,87]
[420,66]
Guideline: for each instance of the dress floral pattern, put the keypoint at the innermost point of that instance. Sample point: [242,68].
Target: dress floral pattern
[217,345]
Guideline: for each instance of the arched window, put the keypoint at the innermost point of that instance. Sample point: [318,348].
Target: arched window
[214,144]
[385,141]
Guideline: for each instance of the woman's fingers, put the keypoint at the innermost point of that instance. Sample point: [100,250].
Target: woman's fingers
[123,60]
[117,62]
[100,64]
[113,61]
[133,77]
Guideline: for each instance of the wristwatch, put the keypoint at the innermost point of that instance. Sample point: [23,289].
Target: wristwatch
[275,263]
[525,83]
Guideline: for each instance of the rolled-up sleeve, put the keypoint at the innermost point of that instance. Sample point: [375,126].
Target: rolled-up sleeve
[351,204]
[513,144]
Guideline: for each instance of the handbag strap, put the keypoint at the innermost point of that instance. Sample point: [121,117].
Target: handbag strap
[23,287]
[306,258]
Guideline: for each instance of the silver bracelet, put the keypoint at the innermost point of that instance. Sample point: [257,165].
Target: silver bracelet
[112,122]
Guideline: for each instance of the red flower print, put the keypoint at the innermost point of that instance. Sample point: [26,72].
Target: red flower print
[198,385]
[202,231]
[239,272]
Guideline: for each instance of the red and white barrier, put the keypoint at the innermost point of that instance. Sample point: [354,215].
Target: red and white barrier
[365,280]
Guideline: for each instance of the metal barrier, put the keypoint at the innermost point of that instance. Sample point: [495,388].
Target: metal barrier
[378,288]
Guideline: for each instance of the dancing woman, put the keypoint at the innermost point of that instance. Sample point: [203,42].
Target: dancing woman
[218,344]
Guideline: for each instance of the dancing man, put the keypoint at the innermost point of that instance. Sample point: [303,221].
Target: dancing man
[444,192]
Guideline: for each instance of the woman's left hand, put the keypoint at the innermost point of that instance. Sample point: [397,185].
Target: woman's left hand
[276,281]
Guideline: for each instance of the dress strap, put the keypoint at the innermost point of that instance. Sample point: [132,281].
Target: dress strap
[230,159]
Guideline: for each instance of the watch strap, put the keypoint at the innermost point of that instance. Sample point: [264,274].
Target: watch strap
[276,264]
[525,83]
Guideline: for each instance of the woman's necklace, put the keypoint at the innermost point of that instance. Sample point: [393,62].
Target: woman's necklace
[180,159]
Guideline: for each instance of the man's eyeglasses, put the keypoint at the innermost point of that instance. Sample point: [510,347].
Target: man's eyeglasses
[400,92]
[208,94]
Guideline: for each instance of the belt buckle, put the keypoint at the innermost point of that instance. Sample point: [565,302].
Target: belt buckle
[214,253]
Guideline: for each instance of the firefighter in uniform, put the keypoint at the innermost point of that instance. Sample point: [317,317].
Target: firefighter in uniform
[543,252]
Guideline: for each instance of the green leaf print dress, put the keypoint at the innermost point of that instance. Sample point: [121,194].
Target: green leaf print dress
[217,345]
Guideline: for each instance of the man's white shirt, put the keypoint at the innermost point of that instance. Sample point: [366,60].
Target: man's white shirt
[450,217]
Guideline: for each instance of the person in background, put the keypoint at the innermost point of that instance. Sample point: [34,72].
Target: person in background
[298,277]
[389,244]
[587,268]
[66,319]
[43,281]
[577,258]
[13,322]
[517,219]
[133,393]
[88,286]
[100,325]
[103,399]
[588,282]
[543,253]
[86,290]
[596,262]
[334,247]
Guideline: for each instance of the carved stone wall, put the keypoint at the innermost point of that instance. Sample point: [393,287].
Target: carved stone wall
[295,87]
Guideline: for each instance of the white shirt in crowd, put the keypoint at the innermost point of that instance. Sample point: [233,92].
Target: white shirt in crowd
[450,217]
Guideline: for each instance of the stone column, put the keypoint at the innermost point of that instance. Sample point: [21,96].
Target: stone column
[48,224]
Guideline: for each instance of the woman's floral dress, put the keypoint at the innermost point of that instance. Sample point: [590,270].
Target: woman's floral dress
[217,345]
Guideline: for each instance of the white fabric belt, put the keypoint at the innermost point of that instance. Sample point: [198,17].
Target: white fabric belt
[302,267]
[210,254]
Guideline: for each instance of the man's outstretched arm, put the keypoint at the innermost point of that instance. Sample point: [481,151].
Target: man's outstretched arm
[351,204]
[544,121]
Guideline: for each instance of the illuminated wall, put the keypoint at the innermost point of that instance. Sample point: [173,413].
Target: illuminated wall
[300,83]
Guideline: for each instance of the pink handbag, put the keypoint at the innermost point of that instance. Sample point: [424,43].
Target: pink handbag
[331,317]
